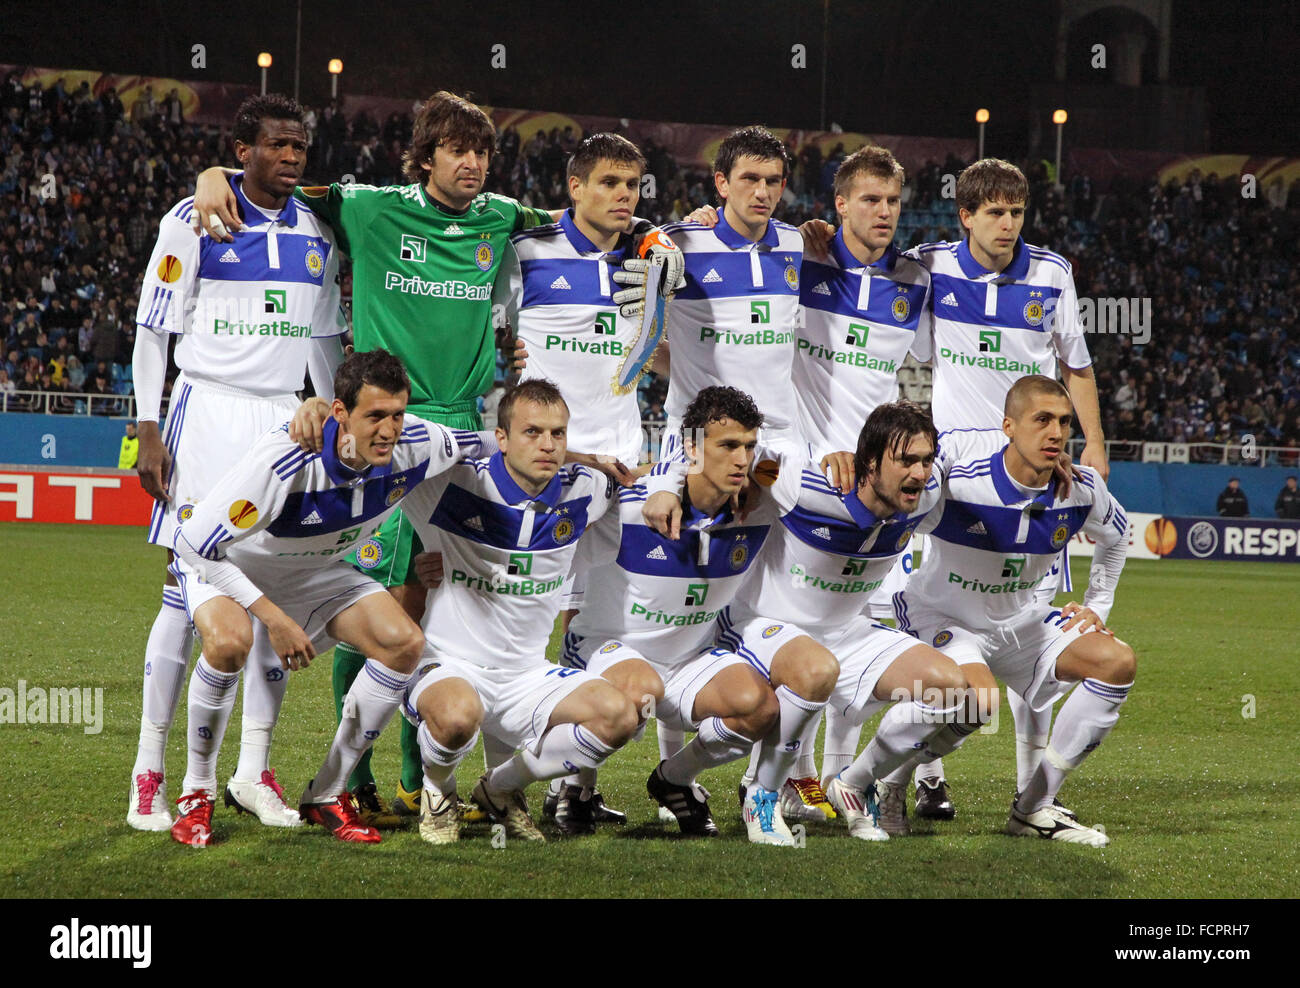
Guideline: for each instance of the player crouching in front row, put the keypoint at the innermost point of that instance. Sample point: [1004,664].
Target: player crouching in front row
[277,524]
[508,528]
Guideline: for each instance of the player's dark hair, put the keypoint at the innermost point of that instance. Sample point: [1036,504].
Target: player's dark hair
[612,147]
[890,427]
[717,403]
[870,160]
[537,390]
[446,119]
[255,109]
[378,368]
[1029,387]
[753,142]
[990,180]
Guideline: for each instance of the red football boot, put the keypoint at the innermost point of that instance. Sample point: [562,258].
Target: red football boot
[340,818]
[193,824]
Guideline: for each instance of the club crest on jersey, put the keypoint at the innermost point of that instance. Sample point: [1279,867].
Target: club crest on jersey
[315,262]
[369,553]
[563,531]
[1033,310]
[901,308]
[792,277]
[169,269]
[772,629]
[483,255]
[243,514]
[1060,536]
[902,540]
[186,510]
[610,647]
[395,495]
[739,553]
[942,639]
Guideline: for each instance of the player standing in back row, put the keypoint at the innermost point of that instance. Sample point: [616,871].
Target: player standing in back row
[252,316]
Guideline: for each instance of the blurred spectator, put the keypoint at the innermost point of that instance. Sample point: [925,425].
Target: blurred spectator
[1288,500]
[1232,501]
[130,448]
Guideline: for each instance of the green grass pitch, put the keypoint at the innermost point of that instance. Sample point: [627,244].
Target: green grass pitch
[1199,799]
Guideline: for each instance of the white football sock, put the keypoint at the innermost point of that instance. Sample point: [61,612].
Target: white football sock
[495,752]
[671,740]
[715,744]
[901,736]
[265,681]
[440,761]
[781,746]
[212,697]
[561,748]
[166,657]
[841,743]
[805,762]
[931,771]
[1032,728]
[1086,717]
[367,709]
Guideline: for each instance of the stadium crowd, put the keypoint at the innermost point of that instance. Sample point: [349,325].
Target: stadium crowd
[84,183]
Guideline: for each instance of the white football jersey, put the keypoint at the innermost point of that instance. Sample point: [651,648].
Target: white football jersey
[246,310]
[283,509]
[993,541]
[658,596]
[859,322]
[733,322]
[557,289]
[828,554]
[992,328]
[505,555]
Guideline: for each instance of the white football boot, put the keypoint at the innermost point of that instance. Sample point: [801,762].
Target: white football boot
[264,799]
[148,806]
[858,808]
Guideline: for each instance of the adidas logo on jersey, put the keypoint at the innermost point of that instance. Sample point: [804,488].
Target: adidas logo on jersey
[453,230]
[560,283]
[230,257]
[822,532]
[313,519]
[712,277]
[657,553]
[978,529]
[822,289]
[949,299]
[474,524]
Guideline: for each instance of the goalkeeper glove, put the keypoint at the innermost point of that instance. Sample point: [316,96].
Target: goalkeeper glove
[655,244]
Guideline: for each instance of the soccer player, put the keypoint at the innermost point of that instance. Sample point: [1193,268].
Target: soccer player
[425,256]
[251,317]
[733,322]
[653,602]
[1002,524]
[265,542]
[508,528]
[558,292]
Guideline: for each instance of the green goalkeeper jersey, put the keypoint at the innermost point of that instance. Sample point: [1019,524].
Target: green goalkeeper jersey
[422,281]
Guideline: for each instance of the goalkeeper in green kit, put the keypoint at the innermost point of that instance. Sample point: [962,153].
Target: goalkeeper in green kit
[424,259]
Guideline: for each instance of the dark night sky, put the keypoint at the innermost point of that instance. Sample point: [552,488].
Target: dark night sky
[912,67]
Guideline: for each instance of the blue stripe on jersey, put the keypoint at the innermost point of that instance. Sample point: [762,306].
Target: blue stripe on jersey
[253,263]
[469,516]
[183,206]
[834,290]
[845,538]
[1013,303]
[544,280]
[999,525]
[729,275]
[1043,254]
[731,550]
[208,550]
[311,513]
[290,465]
